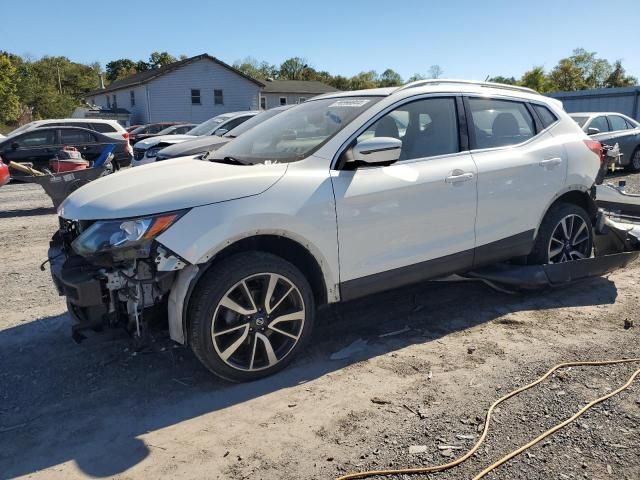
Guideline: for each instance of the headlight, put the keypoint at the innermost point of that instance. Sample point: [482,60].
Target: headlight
[105,236]
[152,152]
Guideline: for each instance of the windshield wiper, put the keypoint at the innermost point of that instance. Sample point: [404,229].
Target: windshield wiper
[227,160]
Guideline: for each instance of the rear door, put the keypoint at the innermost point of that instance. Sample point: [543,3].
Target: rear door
[89,145]
[521,167]
[628,139]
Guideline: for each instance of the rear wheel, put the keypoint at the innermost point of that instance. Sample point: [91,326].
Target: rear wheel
[634,163]
[250,315]
[566,233]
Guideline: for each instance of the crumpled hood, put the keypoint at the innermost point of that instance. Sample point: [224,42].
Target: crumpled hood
[167,186]
[198,145]
[153,141]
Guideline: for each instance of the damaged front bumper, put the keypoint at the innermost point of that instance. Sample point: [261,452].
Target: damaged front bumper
[616,245]
[101,293]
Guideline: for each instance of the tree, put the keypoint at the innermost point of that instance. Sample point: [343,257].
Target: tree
[417,76]
[619,77]
[566,76]
[364,80]
[161,59]
[505,80]
[293,69]
[390,78]
[9,99]
[117,69]
[255,69]
[435,71]
[535,78]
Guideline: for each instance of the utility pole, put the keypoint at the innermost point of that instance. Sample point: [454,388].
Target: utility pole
[59,81]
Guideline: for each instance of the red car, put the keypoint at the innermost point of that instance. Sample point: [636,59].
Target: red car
[4,173]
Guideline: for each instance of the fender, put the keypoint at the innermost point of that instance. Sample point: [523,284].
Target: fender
[581,189]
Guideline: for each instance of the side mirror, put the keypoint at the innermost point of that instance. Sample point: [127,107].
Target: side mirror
[593,131]
[377,150]
[15,146]
[220,132]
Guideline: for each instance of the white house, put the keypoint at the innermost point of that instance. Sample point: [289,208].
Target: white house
[288,92]
[190,90]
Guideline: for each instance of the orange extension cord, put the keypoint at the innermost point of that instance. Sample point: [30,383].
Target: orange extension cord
[506,458]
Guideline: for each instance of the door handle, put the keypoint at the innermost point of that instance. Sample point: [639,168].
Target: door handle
[550,162]
[459,177]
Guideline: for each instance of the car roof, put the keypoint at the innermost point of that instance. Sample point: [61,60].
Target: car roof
[92,120]
[593,114]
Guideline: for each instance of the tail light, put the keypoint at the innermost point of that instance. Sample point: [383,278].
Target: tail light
[595,147]
[125,135]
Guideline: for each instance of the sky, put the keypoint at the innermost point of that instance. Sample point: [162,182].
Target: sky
[467,39]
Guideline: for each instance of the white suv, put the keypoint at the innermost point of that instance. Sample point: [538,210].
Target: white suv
[344,195]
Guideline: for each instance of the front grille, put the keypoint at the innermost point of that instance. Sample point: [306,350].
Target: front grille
[138,153]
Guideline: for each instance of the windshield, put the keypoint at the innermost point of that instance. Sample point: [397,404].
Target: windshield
[580,120]
[206,128]
[296,133]
[252,122]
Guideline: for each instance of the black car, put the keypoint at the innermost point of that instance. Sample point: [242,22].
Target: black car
[611,128]
[40,145]
[148,130]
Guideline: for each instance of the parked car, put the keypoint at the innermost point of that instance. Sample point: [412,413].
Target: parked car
[148,130]
[145,151]
[178,129]
[40,145]
[132,127]
[4,173]
[611,128]
[344,195]
[210,143]
[110,128]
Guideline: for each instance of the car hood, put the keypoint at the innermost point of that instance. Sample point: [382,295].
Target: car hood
[153,141]
[167,186]
[190,147]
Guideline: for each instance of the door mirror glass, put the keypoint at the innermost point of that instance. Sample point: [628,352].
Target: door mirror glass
[220,132]
[593,131]
[377,150]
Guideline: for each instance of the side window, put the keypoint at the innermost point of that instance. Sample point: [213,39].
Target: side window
[102,127]
[499,123]
[427,128]
[231,124]
[547,117]
[37,138]
[617,123]
[631,125]
[283,101]
[600,123]
[71,136]
[263,103]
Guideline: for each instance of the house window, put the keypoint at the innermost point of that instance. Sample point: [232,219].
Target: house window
[302,99]
[263,103]
[195,96]
[114,103]
[132,98]
[283,101]
[218,98]
[108,101]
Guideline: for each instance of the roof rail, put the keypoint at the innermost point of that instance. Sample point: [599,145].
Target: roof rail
[440,81]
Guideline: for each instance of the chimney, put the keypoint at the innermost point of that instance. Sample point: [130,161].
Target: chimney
[101,81]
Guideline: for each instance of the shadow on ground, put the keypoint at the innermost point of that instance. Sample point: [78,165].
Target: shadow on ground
[89,403]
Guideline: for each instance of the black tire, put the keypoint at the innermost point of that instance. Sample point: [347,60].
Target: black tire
[558,212]
[205,309]
[634,161]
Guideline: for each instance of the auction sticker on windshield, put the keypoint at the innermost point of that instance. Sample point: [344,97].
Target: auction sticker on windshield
[349,103]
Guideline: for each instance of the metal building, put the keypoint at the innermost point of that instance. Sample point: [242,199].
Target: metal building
[622,100]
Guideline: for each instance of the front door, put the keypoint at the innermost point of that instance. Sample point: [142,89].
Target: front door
[412,220]
[37,146]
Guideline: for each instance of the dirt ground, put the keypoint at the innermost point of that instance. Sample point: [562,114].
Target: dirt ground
[98,409]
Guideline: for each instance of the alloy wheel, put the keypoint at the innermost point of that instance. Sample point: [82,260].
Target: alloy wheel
[258,322]
[569,240]
[635,161]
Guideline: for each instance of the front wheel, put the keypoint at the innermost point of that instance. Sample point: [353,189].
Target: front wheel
[634,163]
[250,314]
[566,234]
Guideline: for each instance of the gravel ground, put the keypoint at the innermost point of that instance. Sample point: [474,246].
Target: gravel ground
[99,410]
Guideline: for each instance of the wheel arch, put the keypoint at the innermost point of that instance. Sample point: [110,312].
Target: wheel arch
[291,250]
[576,195]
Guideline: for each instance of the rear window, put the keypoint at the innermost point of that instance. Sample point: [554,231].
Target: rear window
[103,127]
[617,123]
[546,116]
[499,123]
